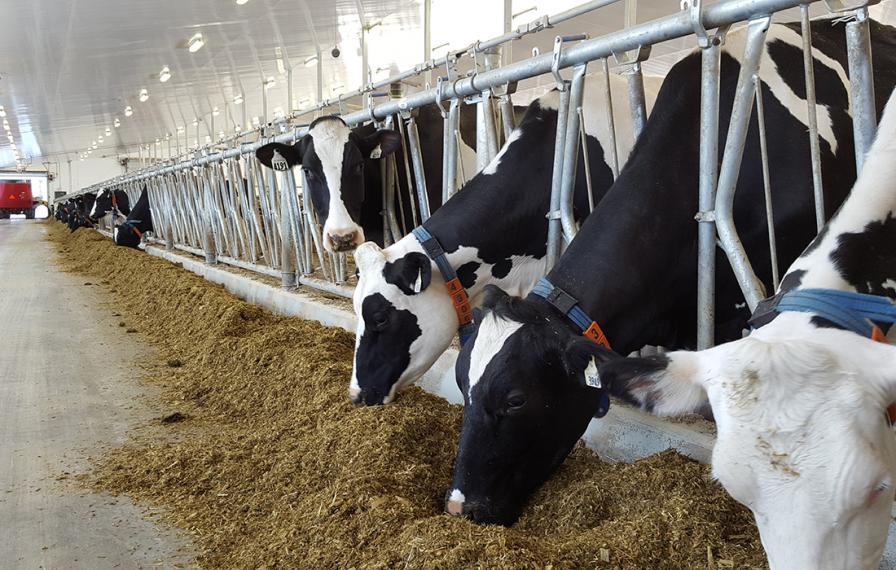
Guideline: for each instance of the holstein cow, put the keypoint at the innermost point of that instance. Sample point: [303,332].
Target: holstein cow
[342,168]
[138,222]
[106,200]
[629,277]
[803,437]
[81,207]
[493,231]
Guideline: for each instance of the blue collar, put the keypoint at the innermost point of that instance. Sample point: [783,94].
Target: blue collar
[569,306]
[856,312]
[456,291]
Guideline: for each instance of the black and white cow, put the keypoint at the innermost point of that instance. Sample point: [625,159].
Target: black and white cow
[633,266]
[803,439]
[493,231]
[106,199]
[139,221]
[342,168]
[79,215]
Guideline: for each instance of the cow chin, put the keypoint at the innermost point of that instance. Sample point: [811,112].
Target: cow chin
[342,240]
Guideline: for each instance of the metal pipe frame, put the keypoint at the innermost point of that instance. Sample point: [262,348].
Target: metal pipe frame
[861,84]
[750,285]
[419,174]
[814,146]
[450,150]
[571,153]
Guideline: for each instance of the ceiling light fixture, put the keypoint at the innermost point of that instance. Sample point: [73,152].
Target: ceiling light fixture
[116,123]
[108,131]
[128,111]
[270,82]
[2,111]
[311,61]
[216,112]
[195,122]
[99,138]
[238,99]
[165,74]
[195,43]
[180,129]
[144,95]
[241,2]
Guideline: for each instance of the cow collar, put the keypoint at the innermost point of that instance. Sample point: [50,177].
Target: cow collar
[459,297]
[856,312]
[133,227]
[569,306]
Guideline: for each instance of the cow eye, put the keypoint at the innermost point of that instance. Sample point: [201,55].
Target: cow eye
[380,320]
[516,401]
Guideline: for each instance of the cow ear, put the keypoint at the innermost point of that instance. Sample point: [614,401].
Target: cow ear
[492,295]
[411,273]
[664,384]
[379,144]
[580,353]
[368,257]
[278,156]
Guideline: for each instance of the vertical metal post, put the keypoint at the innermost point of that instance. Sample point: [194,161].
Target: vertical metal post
[427,37]
[450,150]
[507,118]
[419,175]
[571,153]
[814,147]
[554,226]
[636,98]
[766,182]
[611,120]
[750,285]
[706,229]
[287,257]
[861,84]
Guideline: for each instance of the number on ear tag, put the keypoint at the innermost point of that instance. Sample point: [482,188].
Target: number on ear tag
[377,152]
[279,163]
[592,378]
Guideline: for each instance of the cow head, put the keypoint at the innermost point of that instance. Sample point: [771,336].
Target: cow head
[525,405]
[405,320]
[332,159]
[802,436]
[125,235]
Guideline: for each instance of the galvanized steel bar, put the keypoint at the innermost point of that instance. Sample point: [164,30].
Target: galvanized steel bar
[861,84]
[636,99]
[417,162]
[571,154]
[554,224]
[766,182]
[449,151]
[814,147]
[751,286]
[611,121]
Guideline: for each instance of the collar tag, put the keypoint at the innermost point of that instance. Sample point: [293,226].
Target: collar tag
[592,378]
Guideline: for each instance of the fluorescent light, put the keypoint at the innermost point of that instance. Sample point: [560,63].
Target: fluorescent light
[216,112]
[238,99]
[195,122]
[281,67]
[180,129]
[116,123]
[128,111]
[269,82]
[311,61]
[165,74]
[144,95]
[158,142]
[195,43]
[99,138]
[241,2]
[2,111]
[108,131]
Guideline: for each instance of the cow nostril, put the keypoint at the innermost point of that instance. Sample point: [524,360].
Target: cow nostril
[454,503]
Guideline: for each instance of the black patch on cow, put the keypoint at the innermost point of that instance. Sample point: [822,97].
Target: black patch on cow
[792,280]
[866,259]
[623,375]
[404,271]
[467,273]
[376,368]
[502,269]
[789,64]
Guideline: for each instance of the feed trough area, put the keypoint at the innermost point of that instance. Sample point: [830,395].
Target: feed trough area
[448,284]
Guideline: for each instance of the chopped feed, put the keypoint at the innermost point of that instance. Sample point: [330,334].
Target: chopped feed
[273,467]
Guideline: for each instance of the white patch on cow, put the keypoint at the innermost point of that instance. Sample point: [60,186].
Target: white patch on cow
[889,284]
[330,138]
[496,162]
[92,213]
[456,502]
[871,199]
[493,333]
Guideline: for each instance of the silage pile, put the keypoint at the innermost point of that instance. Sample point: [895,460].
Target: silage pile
[271,466]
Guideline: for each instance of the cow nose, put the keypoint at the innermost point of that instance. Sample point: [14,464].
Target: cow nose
[368,397]
[343,242]
[454,503]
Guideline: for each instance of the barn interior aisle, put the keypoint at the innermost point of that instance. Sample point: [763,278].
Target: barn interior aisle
[57,408]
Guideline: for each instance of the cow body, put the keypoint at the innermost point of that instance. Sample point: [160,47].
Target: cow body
[137,223]
[493,231]
[633,266]
[801,400]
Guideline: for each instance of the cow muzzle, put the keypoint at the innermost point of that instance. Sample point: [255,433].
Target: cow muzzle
[344,242]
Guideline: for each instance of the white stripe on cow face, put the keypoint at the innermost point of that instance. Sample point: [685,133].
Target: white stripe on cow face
[330,139]
[493,333]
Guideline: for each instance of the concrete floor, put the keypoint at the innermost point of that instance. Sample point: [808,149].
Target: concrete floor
[65,391]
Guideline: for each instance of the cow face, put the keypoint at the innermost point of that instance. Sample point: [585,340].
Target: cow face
[101,205]
[405,321]
[125,235]
[525,405]
[332,159]
[802,437]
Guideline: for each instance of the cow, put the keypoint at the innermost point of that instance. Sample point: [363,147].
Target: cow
[342,170]
[804,439]
[139,221]
[493,231]
[628,279]
[79,216]
[106,201]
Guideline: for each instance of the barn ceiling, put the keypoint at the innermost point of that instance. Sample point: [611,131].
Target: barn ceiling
[70,68]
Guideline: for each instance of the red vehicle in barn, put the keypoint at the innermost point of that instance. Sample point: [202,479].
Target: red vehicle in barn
[15,198]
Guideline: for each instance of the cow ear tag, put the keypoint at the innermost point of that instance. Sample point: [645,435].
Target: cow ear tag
[418,284]
[279,163]
[592,378]
[377,152]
